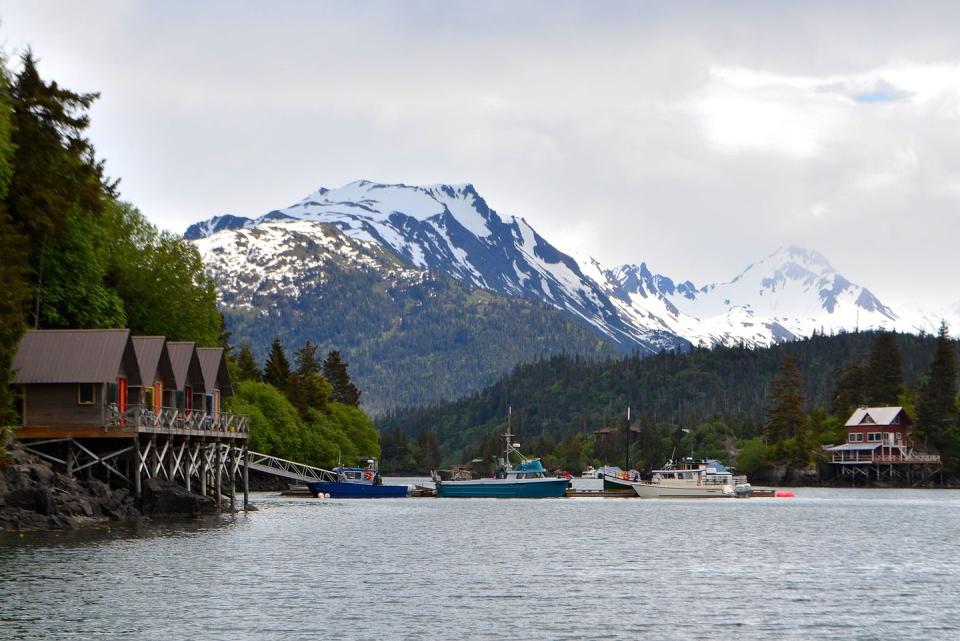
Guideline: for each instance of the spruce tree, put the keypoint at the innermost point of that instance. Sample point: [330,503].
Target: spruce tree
[276,371]
[12,257]
[247,369]
[56,194]
[786,418]
[335,371]
[884,374]
[937,407]
[306,359]
[850,390]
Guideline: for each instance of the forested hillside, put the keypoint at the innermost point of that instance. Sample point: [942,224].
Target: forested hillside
[415,340]
[723,395]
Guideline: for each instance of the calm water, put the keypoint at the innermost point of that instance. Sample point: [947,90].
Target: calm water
[851,564]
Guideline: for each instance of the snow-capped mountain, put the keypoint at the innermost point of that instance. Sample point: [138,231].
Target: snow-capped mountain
[442,228]
[450,229]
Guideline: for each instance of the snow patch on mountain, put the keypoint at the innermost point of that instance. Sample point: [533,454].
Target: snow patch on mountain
[450,229]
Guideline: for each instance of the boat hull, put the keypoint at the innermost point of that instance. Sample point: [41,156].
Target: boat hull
[663,491]
[358,490]
[503,489]
[615,483]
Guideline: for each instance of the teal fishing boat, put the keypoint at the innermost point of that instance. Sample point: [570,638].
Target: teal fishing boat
[528,480]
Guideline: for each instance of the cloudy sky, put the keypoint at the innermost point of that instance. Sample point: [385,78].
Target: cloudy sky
[697,137]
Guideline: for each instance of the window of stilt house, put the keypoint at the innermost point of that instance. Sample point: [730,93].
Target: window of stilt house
[86,394]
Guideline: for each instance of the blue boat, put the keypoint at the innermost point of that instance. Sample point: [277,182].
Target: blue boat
[528,480]
[357,483]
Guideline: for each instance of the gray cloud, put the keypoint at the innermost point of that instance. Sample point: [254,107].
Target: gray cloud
[696,137]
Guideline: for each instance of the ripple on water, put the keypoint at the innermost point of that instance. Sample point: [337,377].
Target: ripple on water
[831,564]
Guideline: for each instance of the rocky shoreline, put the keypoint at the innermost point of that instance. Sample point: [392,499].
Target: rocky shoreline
[34,496]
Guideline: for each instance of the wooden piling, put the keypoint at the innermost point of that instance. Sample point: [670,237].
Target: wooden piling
[233,478]
[246,478]
[218,483]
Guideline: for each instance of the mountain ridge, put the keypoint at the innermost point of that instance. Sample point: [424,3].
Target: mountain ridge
[405,232]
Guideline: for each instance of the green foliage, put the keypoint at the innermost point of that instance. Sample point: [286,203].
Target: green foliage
[246,365]
[319,438]
[937,413]
[753,456]
[566,395]
[884,374]
[152,270]
[787,419]
[12,258]
[335,371]
[70,255]
[276,371]
[414,341]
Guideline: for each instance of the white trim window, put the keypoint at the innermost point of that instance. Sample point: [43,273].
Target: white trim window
[855,437]
[874,437]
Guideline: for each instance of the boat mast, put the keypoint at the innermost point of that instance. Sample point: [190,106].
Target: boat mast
[508,436]
[626,465]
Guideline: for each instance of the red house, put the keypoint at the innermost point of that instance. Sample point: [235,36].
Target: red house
[879,435]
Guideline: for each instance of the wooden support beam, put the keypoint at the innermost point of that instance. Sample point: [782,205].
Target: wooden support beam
[233,479]
[246,478]
[218,484]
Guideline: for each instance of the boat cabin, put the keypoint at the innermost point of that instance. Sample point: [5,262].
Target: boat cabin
[75,378]
[528,469]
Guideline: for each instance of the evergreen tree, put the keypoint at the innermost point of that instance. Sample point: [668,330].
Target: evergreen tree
[429,458]
[247,369]
[306,359]
[884,374]
[12,257]
[276,371]
[786,419]
[850,391]
[335,371]
[56,192]
[937,407]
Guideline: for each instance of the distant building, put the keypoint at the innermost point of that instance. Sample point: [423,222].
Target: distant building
[882,436]
[608,434]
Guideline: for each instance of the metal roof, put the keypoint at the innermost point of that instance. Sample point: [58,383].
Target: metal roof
[148,350]
[214,367]
[879,416]
[75,356]
[854,446]
[186,365]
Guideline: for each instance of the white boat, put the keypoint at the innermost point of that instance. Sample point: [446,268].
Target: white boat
[589,473]
[689,479]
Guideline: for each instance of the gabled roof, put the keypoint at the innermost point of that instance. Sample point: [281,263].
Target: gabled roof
[881,416]
[215,373]
[153,359]
[186,365]
[75,356]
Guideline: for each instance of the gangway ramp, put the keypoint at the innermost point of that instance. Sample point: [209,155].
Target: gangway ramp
[289,469]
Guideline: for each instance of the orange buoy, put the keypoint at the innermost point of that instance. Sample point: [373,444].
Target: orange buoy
[784,494]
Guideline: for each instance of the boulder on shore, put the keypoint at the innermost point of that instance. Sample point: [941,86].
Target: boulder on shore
[163,498]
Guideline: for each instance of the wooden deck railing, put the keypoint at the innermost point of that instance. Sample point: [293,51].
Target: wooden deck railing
[911,457]
[174,419]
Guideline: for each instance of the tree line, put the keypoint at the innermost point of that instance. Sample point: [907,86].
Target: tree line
[754,407]
[307,411]
[73,255]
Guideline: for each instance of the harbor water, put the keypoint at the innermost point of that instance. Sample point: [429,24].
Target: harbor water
[830,563]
